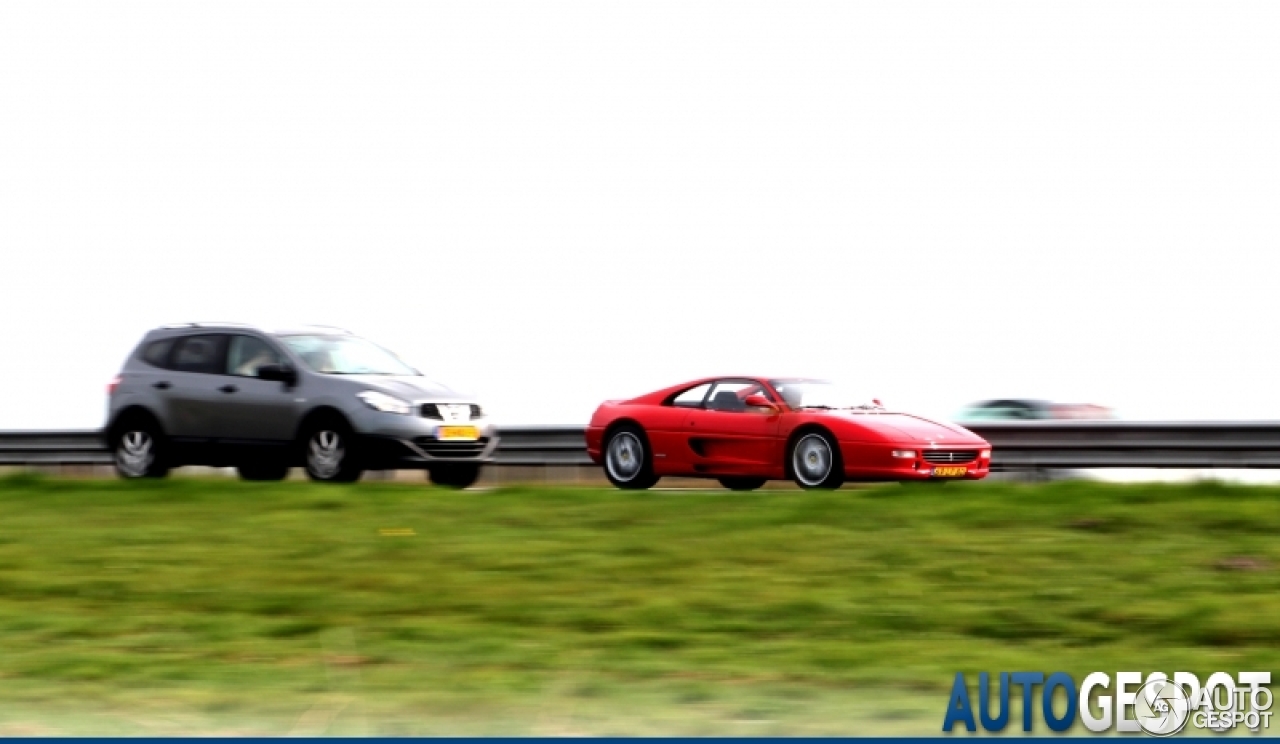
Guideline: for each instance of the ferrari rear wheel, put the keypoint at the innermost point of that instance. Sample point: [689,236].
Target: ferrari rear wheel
[742,483]
[627,462]
[815,462]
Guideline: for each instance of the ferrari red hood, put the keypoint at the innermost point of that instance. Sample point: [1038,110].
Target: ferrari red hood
[904,425]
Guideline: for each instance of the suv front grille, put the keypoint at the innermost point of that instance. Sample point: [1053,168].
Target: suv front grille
[437,448]
[432,411]
[950,456]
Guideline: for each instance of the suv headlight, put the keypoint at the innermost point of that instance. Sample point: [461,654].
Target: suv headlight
[383,402]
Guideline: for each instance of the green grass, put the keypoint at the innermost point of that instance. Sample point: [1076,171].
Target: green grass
[209,606]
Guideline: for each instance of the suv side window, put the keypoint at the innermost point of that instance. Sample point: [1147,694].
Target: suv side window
[245,354]
[157,353]
[203,353]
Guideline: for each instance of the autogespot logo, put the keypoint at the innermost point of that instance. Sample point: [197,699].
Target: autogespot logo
[1158,706]
[1162,707]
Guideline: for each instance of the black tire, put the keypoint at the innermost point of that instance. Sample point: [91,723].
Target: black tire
[813,460]
[330,451]
[454,475]
[742,483]
[628,463]
[263,472]
[139,448]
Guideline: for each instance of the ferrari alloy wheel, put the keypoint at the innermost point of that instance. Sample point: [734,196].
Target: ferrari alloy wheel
[626,459]
[815,462]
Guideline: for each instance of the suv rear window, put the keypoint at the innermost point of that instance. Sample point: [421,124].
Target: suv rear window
[157,352]
[199,354]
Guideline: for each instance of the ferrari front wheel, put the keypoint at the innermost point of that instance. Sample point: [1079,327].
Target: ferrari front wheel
[815,461]
[627,462]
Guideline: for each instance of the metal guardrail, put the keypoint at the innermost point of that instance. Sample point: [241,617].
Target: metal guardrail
[1124,444]
[53,448]
[1016,446]
[548,445]
[530,446]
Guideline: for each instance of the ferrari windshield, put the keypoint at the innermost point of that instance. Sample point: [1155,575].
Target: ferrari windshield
[346,355]
[818,394]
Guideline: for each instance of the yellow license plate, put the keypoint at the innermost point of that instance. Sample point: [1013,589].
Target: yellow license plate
[458,432]
[950,471]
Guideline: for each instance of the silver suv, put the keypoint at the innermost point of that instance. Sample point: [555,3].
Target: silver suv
[262,401]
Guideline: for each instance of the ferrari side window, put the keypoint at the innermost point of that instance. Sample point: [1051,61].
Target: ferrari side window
[691,398]
[730,397]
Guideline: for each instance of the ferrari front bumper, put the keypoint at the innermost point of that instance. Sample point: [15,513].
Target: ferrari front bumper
[878,463]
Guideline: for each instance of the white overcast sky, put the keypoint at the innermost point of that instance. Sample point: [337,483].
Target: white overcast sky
[554,203]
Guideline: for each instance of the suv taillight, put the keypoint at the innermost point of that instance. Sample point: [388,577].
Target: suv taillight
[111,386]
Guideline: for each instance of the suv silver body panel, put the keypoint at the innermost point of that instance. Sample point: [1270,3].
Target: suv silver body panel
[224,419]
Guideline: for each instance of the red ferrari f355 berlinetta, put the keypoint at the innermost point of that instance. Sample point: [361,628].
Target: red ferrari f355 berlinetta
[744,431]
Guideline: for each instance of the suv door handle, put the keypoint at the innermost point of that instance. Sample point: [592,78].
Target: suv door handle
[162,385]
[228,388]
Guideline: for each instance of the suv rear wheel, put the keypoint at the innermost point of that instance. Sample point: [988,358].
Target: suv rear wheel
[138,448]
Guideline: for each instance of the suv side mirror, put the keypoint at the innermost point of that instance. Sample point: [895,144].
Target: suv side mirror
[278,373]
[759,401]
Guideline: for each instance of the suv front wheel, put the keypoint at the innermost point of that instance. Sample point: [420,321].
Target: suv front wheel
[454,475]
[328,451]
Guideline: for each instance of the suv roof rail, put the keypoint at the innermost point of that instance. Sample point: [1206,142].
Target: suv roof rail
[207,324]
[330,327]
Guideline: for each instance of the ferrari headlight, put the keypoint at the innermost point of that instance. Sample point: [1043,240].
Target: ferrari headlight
[986,454]
[904,453]
[383,402]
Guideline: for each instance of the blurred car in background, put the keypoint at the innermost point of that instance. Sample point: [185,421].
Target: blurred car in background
[263,401]
[1024,409]
[1031,409]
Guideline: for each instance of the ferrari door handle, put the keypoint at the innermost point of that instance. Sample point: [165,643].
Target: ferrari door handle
[228,388]
[162,385]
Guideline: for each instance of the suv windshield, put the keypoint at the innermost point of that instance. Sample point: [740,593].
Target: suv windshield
[346,355]
[818,394]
